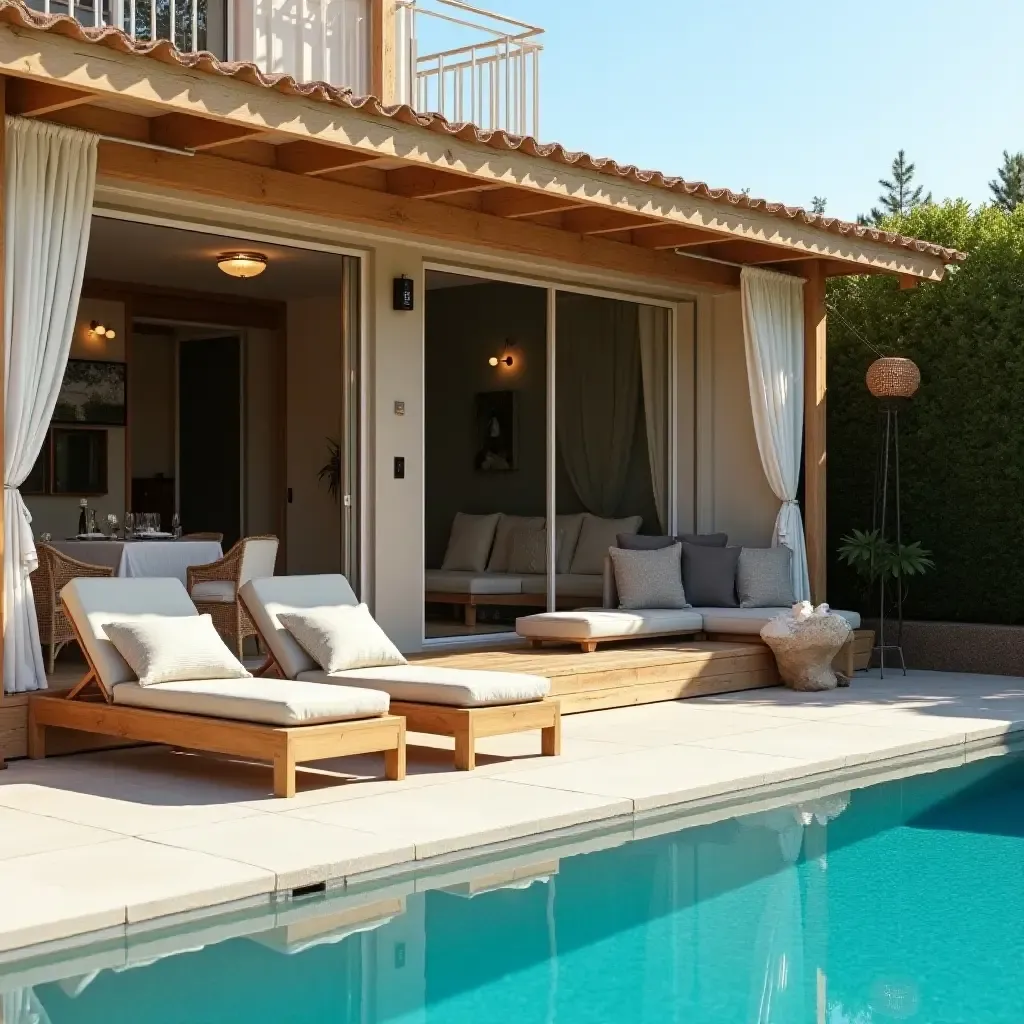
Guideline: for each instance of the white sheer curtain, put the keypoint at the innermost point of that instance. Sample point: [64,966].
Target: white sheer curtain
[598,374]
[50,176]
[773,334]
[653,325]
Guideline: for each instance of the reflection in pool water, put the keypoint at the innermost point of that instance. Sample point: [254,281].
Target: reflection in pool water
[903,901]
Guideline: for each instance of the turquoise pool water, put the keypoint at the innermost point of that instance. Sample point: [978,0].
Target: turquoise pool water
[903,901]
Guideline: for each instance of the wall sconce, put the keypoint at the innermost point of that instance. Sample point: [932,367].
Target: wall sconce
[505,357]
[102,332]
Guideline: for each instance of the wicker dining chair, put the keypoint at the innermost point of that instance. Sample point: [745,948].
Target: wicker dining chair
[214,587]
[56,569]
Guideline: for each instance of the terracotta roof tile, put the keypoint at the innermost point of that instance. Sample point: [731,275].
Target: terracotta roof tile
[14,12]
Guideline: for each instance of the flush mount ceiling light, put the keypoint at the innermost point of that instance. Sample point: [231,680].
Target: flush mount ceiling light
[101,331]
[242,264]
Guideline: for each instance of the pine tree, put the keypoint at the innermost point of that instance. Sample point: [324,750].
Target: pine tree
[1008,188]
[818,204]
[899,196]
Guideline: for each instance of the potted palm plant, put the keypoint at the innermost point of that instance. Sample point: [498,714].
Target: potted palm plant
[330,472]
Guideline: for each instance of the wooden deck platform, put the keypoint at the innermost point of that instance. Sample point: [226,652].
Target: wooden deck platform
[617,676]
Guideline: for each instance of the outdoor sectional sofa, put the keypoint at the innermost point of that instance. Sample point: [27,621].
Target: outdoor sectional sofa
[480,565]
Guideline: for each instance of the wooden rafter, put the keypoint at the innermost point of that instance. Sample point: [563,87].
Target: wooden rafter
[596,221]
[34,99]
[516,203]
[668,236]
[754,253]
[183,132]
[423,183]
[313,158]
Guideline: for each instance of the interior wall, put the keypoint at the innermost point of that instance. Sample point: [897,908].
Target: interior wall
[743,503]
[58,514]
[152,387]
[263,419]
[314,390]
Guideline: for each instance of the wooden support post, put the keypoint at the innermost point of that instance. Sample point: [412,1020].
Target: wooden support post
[383,69]
[3,388]
[815,468]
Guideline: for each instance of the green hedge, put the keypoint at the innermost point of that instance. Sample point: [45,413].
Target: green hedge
[962,437]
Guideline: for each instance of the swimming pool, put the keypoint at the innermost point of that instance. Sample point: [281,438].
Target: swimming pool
[901,901]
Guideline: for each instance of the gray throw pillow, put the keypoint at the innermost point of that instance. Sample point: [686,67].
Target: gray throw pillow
[709,575]
[649,579]
[707,540]
[764,577]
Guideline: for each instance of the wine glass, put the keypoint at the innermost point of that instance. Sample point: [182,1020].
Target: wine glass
[112,525]
[176,525]
[129,525]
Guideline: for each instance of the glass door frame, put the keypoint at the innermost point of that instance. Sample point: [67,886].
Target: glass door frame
[551,289]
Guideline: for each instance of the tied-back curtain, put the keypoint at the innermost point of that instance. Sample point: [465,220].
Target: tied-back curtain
[598,374]
[50,176]
[773,335]
[653,327]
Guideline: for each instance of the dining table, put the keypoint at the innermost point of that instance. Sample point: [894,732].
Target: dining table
[135,558]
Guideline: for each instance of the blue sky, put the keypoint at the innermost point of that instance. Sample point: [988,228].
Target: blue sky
[790,98]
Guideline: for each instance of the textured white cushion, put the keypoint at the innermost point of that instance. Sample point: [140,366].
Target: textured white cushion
[530,550]
[221,591]
[569,585]
[342,637]
[750,620]
[649,579]
[91,603]
[281,702]
[469,544]
[453,687]
[266,598]
[596,537]
[168,649]
[569,527]
[598,623]
[507,525]
[258,558]
[449,581]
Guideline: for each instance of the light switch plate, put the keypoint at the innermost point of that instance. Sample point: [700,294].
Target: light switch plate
[399,408]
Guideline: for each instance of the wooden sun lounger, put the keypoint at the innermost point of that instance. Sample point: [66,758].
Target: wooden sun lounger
[283,747]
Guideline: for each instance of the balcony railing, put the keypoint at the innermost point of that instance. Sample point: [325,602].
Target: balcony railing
[493,82]
[188,24]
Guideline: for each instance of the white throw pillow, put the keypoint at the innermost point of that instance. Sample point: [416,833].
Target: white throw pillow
[174,648]
[342,638]
[529,554]
[470,542]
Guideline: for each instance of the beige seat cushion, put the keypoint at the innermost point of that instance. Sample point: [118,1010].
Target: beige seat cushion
[750,620]
[93,602]
[598,623]
[266,598]
[596,537]
[449,581]
[429,684]
[220,591]
[341,638]
[280,702]
[507,526]
[569,585]
[469,544]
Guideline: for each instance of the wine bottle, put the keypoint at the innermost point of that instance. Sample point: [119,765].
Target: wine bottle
[83,517]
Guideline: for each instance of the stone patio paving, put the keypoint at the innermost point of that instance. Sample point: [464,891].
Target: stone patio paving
[109,840]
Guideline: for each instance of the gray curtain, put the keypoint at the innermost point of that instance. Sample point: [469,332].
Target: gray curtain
[597,369]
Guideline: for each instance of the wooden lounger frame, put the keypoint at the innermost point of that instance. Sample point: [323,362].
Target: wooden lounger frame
[283,747]
[467,725]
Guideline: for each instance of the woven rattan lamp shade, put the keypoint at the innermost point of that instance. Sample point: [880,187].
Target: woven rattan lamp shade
[893,377]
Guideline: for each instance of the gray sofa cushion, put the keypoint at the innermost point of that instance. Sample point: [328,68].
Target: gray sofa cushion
[649,579]
[596,537]
[750,620]
[469,544]
[709,575]
[507,526]
[764,577]
[645,542]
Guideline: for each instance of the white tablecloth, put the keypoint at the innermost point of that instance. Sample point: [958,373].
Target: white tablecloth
[144,557]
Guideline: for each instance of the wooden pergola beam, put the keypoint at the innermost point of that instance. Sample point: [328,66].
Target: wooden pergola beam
[235,181]
[383,66]
[668,236]
[815,446]
[180,131]
[26,98]
[516,203]
[598,221]
[423,183]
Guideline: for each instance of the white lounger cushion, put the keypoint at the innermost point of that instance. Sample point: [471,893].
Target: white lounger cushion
[750,620]
[266,598]
[92,603]
[281,702]
[603,623]
[453,581]
[427,684]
